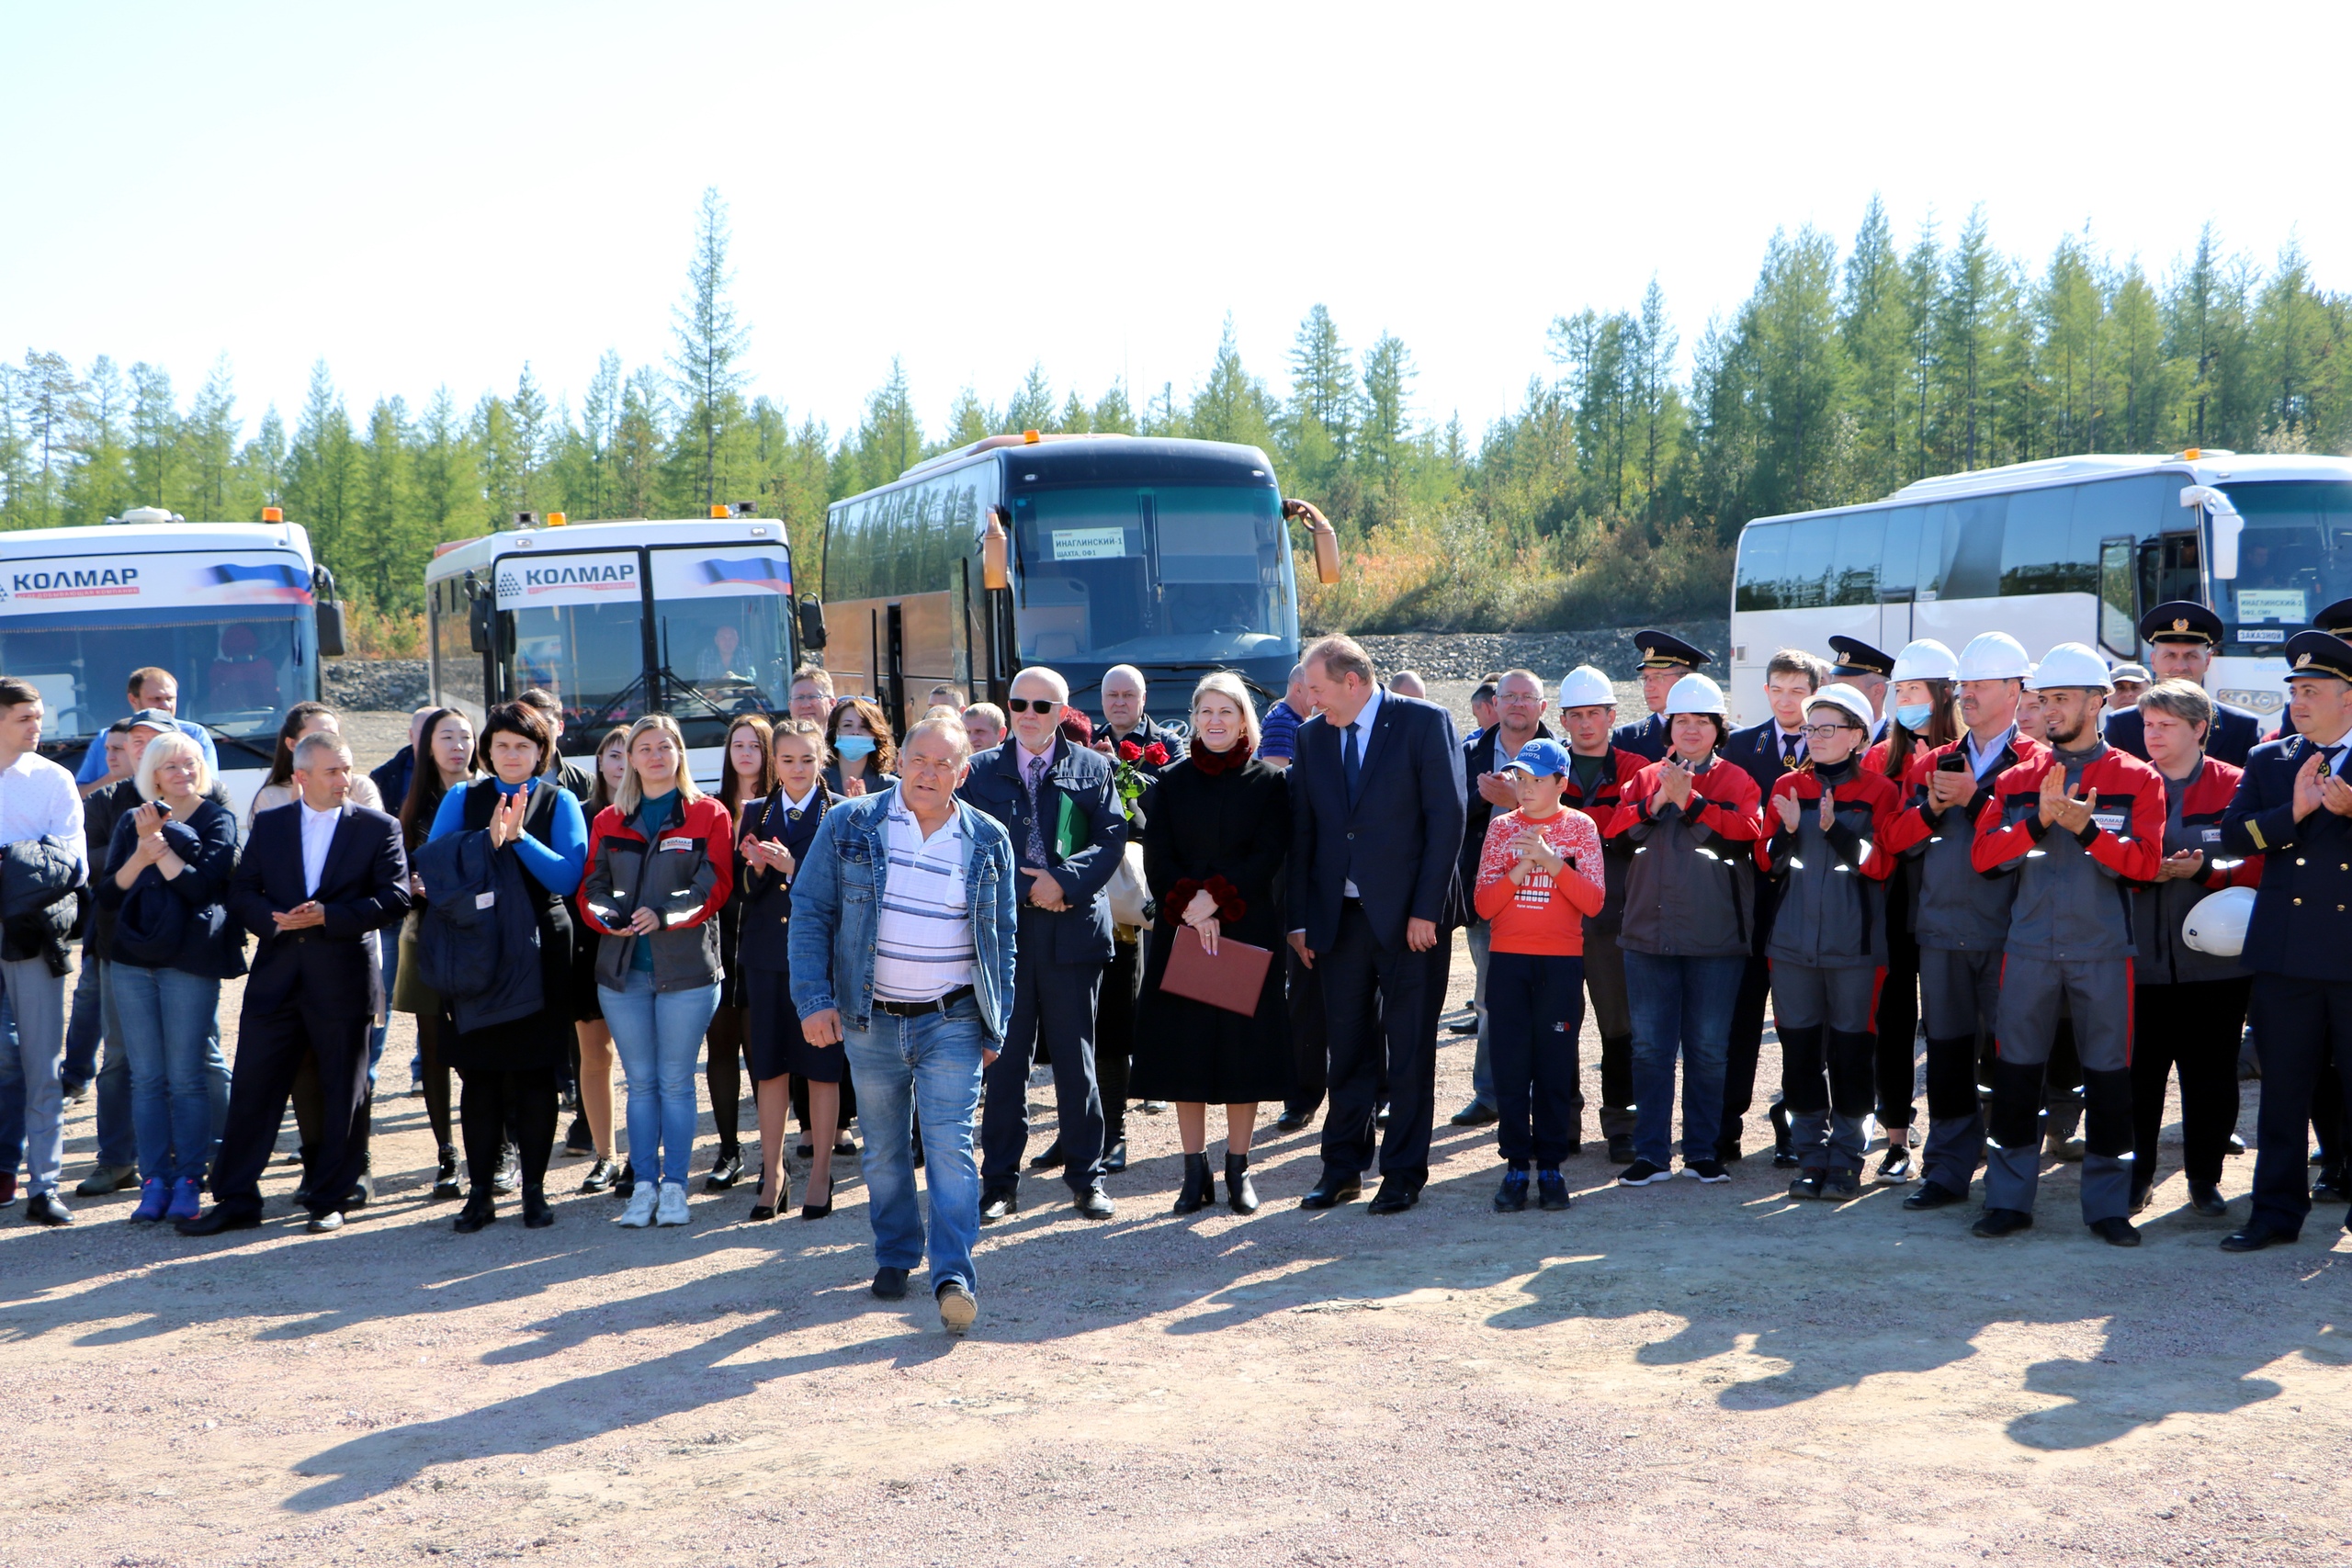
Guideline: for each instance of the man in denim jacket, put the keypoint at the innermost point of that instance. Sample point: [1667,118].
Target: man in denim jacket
[903,914]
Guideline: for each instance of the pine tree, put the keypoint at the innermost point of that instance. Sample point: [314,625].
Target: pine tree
[1032,407]
[1389,375]
[970,420]
[155,435]
[1111,416]
[1875,316]
[209,445]
[709,341]
[889,440]
[1232,404]
[319,464]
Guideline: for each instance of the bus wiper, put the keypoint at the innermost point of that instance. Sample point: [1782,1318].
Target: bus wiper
[678,683]
[243,742]
[1211,665]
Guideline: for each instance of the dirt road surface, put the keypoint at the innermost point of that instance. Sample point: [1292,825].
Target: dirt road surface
[1670,1374]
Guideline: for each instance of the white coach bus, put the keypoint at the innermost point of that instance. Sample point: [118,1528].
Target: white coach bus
[2068,549]
[238,612]
[692,617]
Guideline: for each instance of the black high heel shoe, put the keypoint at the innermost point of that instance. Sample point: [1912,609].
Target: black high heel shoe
[818,1211]
[764,1210]
[1199,1189]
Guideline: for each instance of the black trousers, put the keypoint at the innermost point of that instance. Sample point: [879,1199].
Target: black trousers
[430,1027]
[1055,1002]
[1377,1012]
[495,1104]
[1114,1036]
[1747,1046]
[723,1075]
[2299,1023]
[1534,1017]
[1310,1060]
[1895,1063]
[271,1045]
[2195,1028]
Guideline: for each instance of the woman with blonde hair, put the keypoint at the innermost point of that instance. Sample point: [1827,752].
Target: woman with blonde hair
[1213,850]
[661,863]
[167,874]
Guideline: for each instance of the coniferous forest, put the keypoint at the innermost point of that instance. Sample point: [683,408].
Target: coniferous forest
[1612,493]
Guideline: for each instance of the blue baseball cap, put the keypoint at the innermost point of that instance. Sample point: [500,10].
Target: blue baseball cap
[1543,758]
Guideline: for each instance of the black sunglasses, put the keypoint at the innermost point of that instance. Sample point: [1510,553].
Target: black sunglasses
[1032,704]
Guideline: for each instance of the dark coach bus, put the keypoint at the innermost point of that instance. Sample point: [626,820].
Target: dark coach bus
[1080,552]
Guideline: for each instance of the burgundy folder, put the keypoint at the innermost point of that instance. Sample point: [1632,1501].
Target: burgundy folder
[1233,980]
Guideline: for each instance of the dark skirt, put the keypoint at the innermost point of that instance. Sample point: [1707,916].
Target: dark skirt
[773,1042]
[1190,1051]
[580,1002]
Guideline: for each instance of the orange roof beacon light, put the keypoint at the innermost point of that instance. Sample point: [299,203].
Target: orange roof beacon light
[719,509]
[557,519]
[273,514]
[1030,438]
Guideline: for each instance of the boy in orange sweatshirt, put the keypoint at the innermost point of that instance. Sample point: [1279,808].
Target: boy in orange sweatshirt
[1539,876]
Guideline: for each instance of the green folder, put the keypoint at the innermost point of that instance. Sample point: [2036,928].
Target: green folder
[1070,832]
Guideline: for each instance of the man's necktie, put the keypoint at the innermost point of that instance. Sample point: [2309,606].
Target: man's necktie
[1036,776]
[1351,764]
[1788,750]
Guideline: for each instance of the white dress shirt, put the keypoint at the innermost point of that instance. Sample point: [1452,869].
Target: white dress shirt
[318,837]
[39,800]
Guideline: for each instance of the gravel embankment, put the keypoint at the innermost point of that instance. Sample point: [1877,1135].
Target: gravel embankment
[1466,656]
[375,686]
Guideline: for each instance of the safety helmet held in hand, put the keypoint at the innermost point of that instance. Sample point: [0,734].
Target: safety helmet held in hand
[1696,694]
[1926,659]
[1586,687]
[2217,925]
[1993,656]
[2070,664]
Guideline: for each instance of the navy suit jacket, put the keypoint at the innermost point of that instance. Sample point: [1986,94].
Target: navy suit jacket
[1644,738]
[1081,933]
[1756,752]
[364,887]
[1399,842]
[2300,928]
[2234,735]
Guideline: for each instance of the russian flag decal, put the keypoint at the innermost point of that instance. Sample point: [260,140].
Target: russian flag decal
[760,572]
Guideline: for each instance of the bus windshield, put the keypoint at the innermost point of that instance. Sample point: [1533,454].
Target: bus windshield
[1153,573]
[238,671]
[721,656]
[591,656]
[2294,556]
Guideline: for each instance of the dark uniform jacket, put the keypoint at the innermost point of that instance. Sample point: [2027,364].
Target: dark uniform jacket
[764,940]
[1833,900]
[1645,738]
[2074,897]
[2302,927]
[2233,737]
[2193,812]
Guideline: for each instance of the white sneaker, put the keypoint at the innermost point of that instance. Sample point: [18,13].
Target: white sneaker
[673,1204]
[640,1212]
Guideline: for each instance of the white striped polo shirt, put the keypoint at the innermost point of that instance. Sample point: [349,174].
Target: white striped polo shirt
[922,937]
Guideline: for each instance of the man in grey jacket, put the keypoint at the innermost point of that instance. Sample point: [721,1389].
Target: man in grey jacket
[917,987]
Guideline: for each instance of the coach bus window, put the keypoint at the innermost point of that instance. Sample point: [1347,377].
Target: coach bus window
[1160,572]
[1763,551]
[591,656]
[1971,546]
[1898,576]
[2119,618]
[2039,550]
[1812,549]
[237,675]
[2294,555]
[1855,581]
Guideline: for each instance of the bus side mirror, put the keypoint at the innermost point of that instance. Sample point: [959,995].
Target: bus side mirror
[1325,537]
[477,623]
[996,569]
[812,623]
[330,614]
[2227,525]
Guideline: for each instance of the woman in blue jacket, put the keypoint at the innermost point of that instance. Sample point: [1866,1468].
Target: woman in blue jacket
[509,1069]
[167,874]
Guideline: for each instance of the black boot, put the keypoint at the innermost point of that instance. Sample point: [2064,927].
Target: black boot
[481,1209]
[444,1182]
[537,1215]
[1200,1189]
[1239,1195]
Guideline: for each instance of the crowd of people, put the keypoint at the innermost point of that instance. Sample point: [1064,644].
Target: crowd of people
[1249,909]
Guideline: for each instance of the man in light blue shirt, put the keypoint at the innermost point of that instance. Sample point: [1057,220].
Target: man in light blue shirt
[149,688]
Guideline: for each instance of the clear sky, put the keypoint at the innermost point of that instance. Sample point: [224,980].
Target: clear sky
[425,193]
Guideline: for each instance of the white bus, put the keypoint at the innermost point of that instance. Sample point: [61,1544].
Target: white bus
[238,612]
[693,618]
[2069,549]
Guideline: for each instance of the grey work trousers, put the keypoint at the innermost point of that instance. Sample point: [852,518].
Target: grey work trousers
[2097,993]
[1825,1017]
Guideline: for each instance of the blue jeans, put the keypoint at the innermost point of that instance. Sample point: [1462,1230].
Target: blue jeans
[37,997]
[659,1036]
[928,1068]
[162,1017]
[1685,1005]
[12,1092]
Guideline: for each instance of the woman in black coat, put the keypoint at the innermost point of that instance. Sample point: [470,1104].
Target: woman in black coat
[1213,849]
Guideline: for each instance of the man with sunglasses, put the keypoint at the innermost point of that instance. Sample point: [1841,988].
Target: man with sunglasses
[1056,801]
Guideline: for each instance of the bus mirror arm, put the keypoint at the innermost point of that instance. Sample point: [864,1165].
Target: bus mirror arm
[1326,539]
[995,548]
[2227,525]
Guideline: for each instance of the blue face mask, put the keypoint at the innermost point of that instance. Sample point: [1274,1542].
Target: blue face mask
[853,745]
[1914,715]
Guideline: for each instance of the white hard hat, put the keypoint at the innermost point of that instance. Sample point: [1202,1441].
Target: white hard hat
[1586,687]
[1993,656]
[2071,664]
[2217,925]
[1838,694]
[1926,659]
[1696,694]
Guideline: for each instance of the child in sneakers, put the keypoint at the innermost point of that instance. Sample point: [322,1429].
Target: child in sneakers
[1539,876]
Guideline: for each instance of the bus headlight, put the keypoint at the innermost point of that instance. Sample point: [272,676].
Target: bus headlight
[2254,701]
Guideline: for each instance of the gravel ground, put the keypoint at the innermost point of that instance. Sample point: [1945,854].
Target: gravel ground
[1673,1373]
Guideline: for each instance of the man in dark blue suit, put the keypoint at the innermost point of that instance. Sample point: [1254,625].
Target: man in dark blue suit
[1055,800]
[1377,805]
[1764,752]
[1665,658]
[317,875]
[2181,636]
[2294,808]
